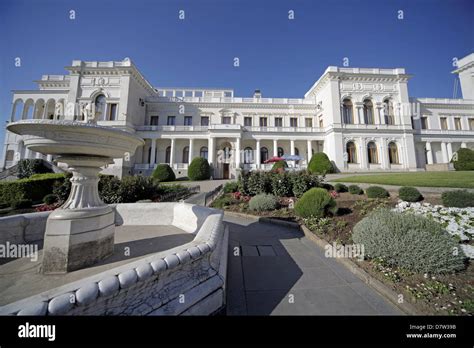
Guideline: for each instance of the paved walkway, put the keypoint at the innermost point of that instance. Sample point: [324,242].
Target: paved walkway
[280,272]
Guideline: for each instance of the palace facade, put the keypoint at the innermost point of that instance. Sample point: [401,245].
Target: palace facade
[362,118]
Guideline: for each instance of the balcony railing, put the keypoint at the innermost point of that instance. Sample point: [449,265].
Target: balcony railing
[444,132]
[232,100]
[284,129]
[236,127]
[173,128]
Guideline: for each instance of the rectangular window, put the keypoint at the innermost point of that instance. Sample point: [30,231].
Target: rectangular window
[168,93]
[457,124]
[205,121]
[424,123]
[263,121]
[308,122]
[188,120]
[188,93]
[444,123]
[179,94]
[248,121]
[412,123]
[171,120]
[198,94]
[278,122]
[471,124]
[293,122]
[226,120]
[112,112]
[154,120]
[227,94]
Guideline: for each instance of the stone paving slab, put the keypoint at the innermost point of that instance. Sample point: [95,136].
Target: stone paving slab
[297,280]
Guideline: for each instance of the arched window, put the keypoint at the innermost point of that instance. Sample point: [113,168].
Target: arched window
[347,116]
[389,115]
[99,107]
[351,152]
[17,112]
[280,152]
[186,154]
[263,154]
[168,155]
[368,112]
[203,152]
[248,155]
[372,153]
[393,153]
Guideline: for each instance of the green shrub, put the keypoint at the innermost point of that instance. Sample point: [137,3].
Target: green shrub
[28,167]
[109,189]
[320,164]
[231,186]
[409,241]
[135,188]
[263,202]
[377,192]
[59,176]
[62,188]
[199,169]
[243,183]
[281,184]
[163,172]
[171,193]
[340,188]
[355,190]
[458,199]
[21,204]
[464,159]
[302,182]
[33,189]
[409,194]
[50,199]
[258,182]
[223,201]
[315,203]
[278,166]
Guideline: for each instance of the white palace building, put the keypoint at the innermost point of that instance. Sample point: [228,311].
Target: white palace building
[362,118]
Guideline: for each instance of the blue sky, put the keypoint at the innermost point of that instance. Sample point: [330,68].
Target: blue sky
[281,57]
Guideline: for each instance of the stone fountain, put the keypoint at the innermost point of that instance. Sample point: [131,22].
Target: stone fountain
[81,232]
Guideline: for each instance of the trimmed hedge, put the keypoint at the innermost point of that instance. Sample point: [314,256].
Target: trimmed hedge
[33,189]
[458,199]
[316,202]
[340,188]
[355,190]
[263,202]
[409,194]
[464,160]
[377,192]
[258,182]
[409,241]
[199,169]
[320,164]
[163,172]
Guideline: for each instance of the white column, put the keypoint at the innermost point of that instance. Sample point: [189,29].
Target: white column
[310,150]
[275,147]
[380,115]
[49,158]
[363,154]
[172,152]
[444,151]
[359,116]
[210,150]
[153,153]
[292,147]
[383,154]
[463,145]
[237,153]
[191,149]
[429,153]
[450,151]
[257,155]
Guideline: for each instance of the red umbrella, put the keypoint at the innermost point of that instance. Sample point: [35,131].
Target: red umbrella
[273,159]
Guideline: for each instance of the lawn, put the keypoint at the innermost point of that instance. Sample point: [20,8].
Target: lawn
[421,179]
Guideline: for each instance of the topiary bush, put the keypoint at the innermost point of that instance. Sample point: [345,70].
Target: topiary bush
[458,199]
[340,188]
[409,194]
[28,167]
[281,184]
[377,192]
[263,202]
[355,190]
[409,241]
[279,166]
[464,159]
[199,169]
[320,164]
[163,172]
[50,199]
[231,186]
[316,202]
[21,204]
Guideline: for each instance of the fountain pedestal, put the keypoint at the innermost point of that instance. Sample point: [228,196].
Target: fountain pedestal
[81,232]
